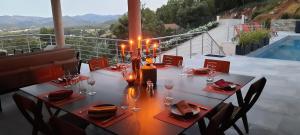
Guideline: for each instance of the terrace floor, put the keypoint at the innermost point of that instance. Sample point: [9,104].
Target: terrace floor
[277,112]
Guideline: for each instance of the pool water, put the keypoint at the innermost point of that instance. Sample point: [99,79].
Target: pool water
[287,48]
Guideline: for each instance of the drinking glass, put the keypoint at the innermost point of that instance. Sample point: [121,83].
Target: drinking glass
[91,81]
[124,102]
[134,93]
[169,84]
[81,88]
[67,77]
[211,66]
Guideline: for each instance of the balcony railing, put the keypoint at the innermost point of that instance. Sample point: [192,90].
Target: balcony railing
[185,45]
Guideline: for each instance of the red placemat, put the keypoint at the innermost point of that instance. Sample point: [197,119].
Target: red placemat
[166,116]
[120,115]
[62,84]
[74,97]
[221,91]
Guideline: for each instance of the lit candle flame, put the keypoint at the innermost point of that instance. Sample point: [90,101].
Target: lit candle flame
[139,42]
[130,77]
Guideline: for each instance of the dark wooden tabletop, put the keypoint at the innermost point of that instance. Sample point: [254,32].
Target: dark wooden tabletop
[112,89]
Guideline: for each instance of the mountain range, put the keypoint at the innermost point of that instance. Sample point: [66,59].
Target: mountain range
[23,22]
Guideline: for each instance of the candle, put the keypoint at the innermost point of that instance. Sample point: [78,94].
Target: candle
[123,49]
[154,50]
[131,44]
[147,46]
[130,79]
[139,42]
[123,52]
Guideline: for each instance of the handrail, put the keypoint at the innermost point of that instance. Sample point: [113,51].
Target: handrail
[219,47]
[93,45]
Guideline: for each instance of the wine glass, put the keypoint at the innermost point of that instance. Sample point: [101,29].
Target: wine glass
[91,81]
[211,66]
[67,77]
[169,84]
[134,93]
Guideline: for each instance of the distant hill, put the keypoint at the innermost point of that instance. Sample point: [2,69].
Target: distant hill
[21,22]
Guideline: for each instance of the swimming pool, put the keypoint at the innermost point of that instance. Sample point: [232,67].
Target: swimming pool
[287,48]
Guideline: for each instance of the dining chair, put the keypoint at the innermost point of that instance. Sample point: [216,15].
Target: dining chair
[220,65]
[219,119]
[32,111]
[172,60]
[62,127]
[98,63]
[240,112]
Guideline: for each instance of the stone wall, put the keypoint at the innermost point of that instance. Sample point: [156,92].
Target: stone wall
[284,24]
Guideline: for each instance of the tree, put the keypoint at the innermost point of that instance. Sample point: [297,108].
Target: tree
[167,13]
[151,25]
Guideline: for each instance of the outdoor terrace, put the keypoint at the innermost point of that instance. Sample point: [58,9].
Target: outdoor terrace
[276,111]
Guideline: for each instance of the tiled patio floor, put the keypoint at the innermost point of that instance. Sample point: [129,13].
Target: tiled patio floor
[277,112]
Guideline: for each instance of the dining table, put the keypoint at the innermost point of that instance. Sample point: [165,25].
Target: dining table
[153,117]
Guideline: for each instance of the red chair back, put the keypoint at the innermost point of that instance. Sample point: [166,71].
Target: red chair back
[245,28]
[172,60]
[221,66]
[61,127]
[98,63]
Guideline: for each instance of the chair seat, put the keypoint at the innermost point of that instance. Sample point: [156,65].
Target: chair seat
[75,120]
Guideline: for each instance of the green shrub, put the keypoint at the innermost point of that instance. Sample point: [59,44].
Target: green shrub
[253,37]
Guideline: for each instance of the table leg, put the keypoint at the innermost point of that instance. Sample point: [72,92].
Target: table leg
[244,117]
[48,107]
[202,126]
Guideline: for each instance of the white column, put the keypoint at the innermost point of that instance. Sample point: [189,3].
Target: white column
[58,23]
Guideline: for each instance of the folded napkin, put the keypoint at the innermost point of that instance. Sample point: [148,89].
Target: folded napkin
[115,67]
[201,71]
[222,84]
[184,108]
[59,95]
[102,111]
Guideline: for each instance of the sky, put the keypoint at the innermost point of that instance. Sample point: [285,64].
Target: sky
[42,8]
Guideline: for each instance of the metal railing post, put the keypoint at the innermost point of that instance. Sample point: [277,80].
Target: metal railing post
[28,44]
[176,48]
[51,40]
[40,43]
[190,48]
[97,47]
[117,52]
[202,43]
[211,46]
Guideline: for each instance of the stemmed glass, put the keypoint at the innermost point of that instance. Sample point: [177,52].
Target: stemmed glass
[169,84]
[91,81]
[134,93]
[211,66]
[67,77]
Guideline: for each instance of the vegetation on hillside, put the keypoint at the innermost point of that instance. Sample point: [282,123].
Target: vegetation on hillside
[188,14]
